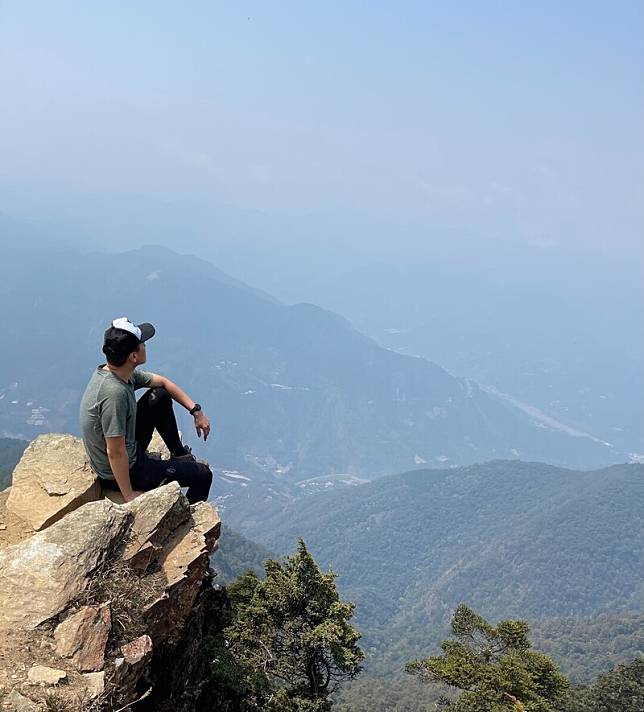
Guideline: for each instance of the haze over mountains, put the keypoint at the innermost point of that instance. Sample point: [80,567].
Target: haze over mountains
[547,324]
[295,391]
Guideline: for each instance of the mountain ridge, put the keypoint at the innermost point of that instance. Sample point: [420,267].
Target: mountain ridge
[294,391]
[511,539]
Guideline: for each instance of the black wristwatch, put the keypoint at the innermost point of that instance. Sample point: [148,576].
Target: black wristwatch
[195,409]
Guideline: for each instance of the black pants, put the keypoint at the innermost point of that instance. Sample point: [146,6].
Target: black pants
[154,410]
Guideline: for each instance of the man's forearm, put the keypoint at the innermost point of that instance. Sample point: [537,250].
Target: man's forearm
[120,466]
[202,423]
[179,395]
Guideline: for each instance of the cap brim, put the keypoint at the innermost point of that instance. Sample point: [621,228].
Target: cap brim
[147,331]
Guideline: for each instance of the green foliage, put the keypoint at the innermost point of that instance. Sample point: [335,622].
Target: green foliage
[10,452]
[493,666]
[400,693]
[515,539]
[587,647]
[620,690]
[288,643]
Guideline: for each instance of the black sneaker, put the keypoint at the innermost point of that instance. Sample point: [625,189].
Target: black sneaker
[188,457]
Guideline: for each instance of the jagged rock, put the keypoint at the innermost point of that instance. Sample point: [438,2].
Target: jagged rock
[53,575]
[42,675]
[20,703]
[41,576]
[94,683]
[157,514]
[182,664]
[51,479]
[129,668]
[185,564]
[207,523]
[136,650]
[13,529]
[191,542]
[83,637]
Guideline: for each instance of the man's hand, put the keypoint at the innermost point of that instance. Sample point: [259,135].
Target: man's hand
[202,425]
[133,495]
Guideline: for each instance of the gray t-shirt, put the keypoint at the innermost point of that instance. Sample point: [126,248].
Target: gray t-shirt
[108,409]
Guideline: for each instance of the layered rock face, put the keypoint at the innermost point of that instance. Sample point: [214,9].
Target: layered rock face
[92,592]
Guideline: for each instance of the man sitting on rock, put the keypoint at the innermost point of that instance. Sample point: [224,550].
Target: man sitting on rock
[117,430]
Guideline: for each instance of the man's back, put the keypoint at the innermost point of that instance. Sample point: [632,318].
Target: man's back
[108,409]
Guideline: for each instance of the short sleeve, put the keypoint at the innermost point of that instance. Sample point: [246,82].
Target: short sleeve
[114,412]
[141,379]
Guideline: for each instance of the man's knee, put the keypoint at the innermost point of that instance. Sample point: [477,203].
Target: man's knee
[205,480]
[206,473]
[159,397]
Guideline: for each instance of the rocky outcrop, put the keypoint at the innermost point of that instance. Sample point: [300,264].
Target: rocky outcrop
[155,520]
[42,575]
[82,637]
[51,479]
[93,593]
[43,675]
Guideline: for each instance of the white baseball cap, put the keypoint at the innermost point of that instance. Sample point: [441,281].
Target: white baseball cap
[143,332]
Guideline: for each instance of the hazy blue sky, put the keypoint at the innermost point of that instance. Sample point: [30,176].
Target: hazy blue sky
[525,117]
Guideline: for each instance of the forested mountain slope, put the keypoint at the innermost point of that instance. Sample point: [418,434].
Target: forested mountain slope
[235,555]
[587,647]
[511,539]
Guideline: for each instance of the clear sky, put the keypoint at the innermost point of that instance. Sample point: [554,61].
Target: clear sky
[524,116]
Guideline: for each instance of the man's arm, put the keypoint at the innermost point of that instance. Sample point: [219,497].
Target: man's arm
[120,466]
[202,424]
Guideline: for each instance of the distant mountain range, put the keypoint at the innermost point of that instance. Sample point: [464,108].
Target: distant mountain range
[553,325]
[294,392]
[511,539]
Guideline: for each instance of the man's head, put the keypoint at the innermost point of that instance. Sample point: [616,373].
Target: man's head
[125,341]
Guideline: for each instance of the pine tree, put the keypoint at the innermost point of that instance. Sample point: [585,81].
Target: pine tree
[493,667]
[620,689]
[289,643]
